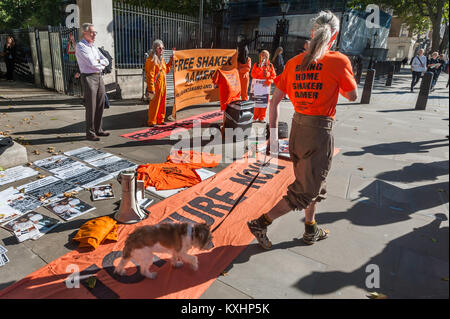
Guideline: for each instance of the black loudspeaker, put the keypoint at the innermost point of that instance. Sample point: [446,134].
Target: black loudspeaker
[238,119]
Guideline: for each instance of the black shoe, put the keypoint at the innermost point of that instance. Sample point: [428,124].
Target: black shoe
[103,134]
[93,138]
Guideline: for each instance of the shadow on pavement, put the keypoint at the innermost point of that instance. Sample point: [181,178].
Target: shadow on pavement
[407,268]
[381,203]
[416,172]
[397,148]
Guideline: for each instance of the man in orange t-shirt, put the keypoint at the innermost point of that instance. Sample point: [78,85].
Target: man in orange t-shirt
[313,81]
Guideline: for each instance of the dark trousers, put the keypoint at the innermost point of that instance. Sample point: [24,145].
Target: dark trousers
[94,101]
[9,69]
[415,78]
[435,78]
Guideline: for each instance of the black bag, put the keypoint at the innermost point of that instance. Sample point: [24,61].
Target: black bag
[107,69]
[5,142]
[283,130]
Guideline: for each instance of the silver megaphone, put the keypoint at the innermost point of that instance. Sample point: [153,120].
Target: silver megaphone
[133,190]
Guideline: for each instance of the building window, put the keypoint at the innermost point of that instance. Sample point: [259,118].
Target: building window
[404,32]
[400,52]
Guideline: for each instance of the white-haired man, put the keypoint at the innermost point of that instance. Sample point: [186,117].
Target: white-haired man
[92,62]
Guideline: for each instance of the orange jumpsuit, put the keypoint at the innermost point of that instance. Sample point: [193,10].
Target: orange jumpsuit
[244,71]
[156,82]
[266,72]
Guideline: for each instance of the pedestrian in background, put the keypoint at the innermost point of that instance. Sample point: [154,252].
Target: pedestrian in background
[9,54]
[418,67]
[91,63]
[263,74]
[278,61]
[156,71]
[311,142]
[435,66]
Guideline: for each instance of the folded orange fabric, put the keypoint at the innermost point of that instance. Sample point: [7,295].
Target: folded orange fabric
[194,158]
[164,176]
[92,233]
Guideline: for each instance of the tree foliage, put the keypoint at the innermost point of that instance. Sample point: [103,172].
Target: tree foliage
[16,14]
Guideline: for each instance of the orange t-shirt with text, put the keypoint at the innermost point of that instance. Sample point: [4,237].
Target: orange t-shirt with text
[315,91]
[165,176]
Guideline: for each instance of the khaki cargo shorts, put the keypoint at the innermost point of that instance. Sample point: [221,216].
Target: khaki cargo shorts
[311,147]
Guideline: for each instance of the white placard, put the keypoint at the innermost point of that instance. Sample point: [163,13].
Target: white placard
[17,173]
[260,89]
[88,154]
[55,163]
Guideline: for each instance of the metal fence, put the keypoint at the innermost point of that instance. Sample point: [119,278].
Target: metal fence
[135,28]
[44,58]
[24,69]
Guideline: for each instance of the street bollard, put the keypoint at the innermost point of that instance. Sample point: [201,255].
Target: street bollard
[424,91]
[368,84]
[390,75]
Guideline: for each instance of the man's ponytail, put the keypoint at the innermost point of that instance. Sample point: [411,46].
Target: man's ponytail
[325,25]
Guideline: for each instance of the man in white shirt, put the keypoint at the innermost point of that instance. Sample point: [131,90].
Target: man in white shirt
[418,67]
[91,63]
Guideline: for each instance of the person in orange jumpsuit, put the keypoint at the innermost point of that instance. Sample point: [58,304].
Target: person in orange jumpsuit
[244,66]
[156,70]
[263,74]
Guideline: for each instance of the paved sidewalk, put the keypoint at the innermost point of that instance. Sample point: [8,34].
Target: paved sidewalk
[387,207]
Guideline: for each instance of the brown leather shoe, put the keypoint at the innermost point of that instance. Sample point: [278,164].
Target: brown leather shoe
[93,138]
[103,134]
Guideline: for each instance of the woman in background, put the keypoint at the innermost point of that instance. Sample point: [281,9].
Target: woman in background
[9,53]
[156,70]
[263,74]
[278,61]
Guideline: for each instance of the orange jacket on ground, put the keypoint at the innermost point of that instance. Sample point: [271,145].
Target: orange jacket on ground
[165,176]
[95,231]
[244,77]
[316,90]
[265,72]
[156,82]
[194,159]
[229,86]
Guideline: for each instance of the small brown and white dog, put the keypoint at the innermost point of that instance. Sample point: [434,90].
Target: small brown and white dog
[175,238]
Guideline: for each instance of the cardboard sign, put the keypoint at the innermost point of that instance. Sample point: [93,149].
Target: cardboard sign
[193,73]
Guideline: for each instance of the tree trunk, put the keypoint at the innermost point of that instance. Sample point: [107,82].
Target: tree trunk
[444,43]
[436,18]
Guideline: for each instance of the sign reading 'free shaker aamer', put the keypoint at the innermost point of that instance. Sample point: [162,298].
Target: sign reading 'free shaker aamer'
[193,74]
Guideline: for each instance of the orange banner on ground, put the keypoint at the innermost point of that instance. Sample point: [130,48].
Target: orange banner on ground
[193,73]
[209,201]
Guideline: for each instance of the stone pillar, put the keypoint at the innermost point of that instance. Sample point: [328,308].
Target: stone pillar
[100,14]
